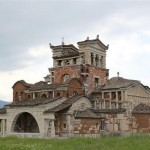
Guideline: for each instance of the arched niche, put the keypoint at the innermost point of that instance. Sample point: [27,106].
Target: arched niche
[25,123]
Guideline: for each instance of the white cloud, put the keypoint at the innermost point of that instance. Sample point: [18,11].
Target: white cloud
[35,71]
[38,51]
[125,26]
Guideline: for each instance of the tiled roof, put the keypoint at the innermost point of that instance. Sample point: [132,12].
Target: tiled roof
[23,82]
[33,102]
[86,114]
[64,47]
[115,111]
[66,51]
[44,86]
[66,104]
[70,79]
[117,82]
[41,85]
[141,108]
[3,110]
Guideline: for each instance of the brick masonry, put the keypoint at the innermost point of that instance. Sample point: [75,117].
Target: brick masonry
[142,123]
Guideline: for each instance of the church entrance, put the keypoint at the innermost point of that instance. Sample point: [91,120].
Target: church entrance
[26,123]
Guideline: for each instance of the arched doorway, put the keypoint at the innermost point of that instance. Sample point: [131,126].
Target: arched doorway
[26,123]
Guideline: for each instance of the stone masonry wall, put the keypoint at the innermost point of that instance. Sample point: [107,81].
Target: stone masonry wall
[86,126]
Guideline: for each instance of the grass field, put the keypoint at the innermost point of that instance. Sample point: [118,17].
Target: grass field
[141,142]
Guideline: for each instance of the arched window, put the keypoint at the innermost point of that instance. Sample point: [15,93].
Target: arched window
[74,60]
[21,94]
[26,123]
[65,77]
[59,62]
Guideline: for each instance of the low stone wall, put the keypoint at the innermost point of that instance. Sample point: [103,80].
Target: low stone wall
[37,135]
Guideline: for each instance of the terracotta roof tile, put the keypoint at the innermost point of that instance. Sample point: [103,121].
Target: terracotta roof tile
[86,114]
[116,111]
[66,104]
[24,83]
[33,102]
[44,86]
[117,82]
[141,108]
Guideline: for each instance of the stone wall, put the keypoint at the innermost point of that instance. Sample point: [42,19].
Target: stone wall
[86,127]
[82,104]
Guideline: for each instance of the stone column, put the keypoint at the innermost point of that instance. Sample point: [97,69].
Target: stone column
[104,62]
[94,104]
[117,105]
[33,95]
[55,63]
[104,105]
[101,62]
[98,62]
[52,129]
[3,131]
[58,124]
[102,95]
[122,96]
[116,95]
[110,96]
[53,94]
[69,126]
[94,61]
[62,63]
[100,105]
[71,61]
[110,105]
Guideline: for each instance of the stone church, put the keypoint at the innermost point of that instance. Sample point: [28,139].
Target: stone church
[77,98]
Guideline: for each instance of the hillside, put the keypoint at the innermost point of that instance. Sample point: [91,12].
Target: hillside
[2,103]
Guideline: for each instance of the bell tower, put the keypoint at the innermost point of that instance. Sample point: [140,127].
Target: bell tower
[94,52]
[86,63]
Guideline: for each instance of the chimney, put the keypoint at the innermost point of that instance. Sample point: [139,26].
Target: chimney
[97,37]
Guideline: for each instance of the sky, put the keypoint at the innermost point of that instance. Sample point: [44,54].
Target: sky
[27,28]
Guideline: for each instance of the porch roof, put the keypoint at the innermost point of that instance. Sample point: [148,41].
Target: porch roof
[33,102]
[66,104]
[87,113]
[115,111]
[141,108]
